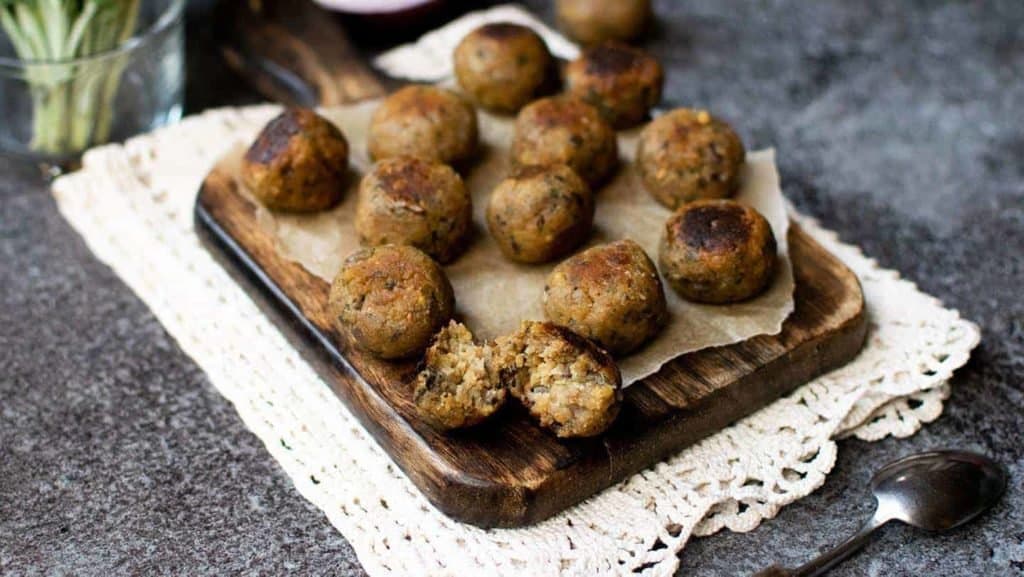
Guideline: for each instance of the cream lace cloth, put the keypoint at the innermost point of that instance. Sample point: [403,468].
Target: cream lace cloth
[133,206]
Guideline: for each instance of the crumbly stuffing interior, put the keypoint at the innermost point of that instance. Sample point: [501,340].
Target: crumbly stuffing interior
[568,387]
[458,386]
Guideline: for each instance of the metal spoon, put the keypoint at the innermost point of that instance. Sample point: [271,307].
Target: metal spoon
[935,491]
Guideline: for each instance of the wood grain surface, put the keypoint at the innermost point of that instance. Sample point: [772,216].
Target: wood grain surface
[509,472]
[294,52]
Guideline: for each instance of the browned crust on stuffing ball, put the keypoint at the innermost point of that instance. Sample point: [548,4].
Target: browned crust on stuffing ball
[687,155]
[565,130]
[540,213]
[565,381]
[609,293]
[391,299]
[408,200]
[408,179]
[620,81]
[424,121]
[503,66]
[298,162]
[612,58]
[717,251]
[459,384]
[273,139]
[712,227]
[504,31]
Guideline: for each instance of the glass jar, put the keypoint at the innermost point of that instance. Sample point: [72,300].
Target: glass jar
[53,109]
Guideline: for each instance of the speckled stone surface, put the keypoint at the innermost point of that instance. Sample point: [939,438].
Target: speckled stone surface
[897,124]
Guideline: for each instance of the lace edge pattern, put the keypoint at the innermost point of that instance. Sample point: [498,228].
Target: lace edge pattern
[140,195]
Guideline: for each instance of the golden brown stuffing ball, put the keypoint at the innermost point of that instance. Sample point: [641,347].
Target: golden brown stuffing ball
[567,383]
[609,293]
[408,200]
[297,163]
[687,155]
[717,251]
[595,21]
[424,121]
[502,66]
[391,299]
[565,130]
[623,83]
[460,384]
[540,213]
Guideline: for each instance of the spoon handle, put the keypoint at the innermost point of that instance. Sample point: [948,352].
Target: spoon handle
[829,559]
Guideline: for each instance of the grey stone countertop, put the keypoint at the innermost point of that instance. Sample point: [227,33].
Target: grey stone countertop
[898,124]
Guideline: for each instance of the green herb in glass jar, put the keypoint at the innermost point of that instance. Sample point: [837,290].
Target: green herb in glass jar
[72,98]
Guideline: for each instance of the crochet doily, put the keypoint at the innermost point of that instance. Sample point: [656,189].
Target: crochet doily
[133,205]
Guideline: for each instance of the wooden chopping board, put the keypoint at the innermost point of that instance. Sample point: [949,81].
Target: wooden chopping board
[509,472]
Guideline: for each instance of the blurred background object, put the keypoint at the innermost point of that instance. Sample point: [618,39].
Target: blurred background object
[378,21]
[293,52]
[77,73]
[597,21]
[313,53]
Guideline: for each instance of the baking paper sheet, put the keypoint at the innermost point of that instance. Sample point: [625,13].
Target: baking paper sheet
[493,294]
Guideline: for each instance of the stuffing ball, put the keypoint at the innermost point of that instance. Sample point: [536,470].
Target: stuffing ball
[687,155]
[408,200]
[595,21]
[567,383]
[565,130]
[717,251]
[609,293]
[459,385]
[391,299]
[424,121]
[503,66]
[623,83]
[540,213]
[297,163]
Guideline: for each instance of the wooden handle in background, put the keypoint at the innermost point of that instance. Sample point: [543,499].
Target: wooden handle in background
[294,52]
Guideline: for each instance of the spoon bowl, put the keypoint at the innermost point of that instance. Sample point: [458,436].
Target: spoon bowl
[938,490]
[934,491]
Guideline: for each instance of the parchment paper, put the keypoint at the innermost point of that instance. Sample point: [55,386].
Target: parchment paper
[493,294]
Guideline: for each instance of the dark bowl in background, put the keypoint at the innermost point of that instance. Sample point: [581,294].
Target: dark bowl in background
[386,23]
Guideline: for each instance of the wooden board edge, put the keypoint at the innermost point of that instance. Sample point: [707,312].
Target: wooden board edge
[805,362]
[298,331]
[522,506]
[451,490]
